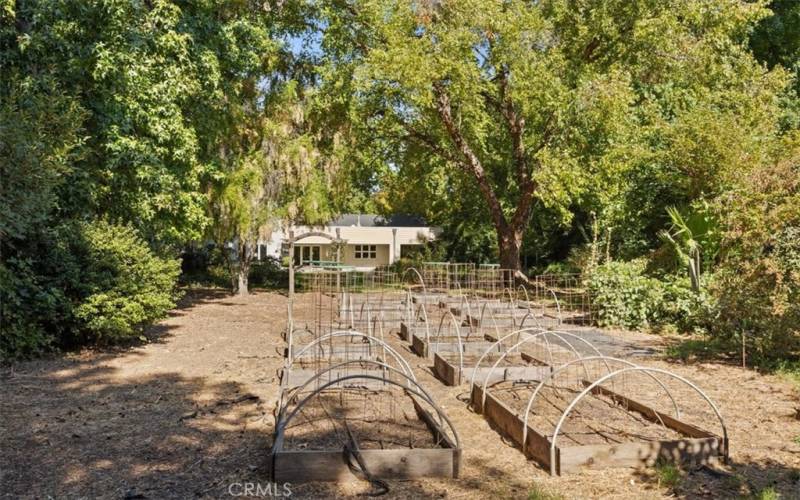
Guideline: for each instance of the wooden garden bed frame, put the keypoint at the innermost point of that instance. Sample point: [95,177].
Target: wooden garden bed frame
[297,466]
[698,447]
[450,343]
[452,370]
[407,330]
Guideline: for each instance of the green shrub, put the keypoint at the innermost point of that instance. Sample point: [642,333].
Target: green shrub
[268,273]
[623,295]
[699,348]
[682,308]
[668,474]
[22,300]
[205,266]
[41,280]
[80,283]
[538,493]
[758,279]
[769,493]
[129,287]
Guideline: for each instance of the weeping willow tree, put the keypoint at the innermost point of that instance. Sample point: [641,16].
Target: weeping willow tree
[274,174]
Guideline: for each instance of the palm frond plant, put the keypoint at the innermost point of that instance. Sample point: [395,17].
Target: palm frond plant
[694,239]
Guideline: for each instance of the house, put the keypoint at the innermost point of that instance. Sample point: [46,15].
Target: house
[360,241]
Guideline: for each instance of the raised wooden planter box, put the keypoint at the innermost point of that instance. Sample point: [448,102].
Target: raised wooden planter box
[515,366]
[425,348]
[298,466]
[698,447]
[300,373]
[502,320]
[434,299]
[476,306]
[387,313]
[408,331]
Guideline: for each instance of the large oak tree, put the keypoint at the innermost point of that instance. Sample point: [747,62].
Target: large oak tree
[540,103]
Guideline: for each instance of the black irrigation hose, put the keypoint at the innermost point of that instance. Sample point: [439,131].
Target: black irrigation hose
[380,487]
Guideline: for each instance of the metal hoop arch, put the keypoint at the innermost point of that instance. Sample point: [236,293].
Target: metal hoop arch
[557,334]
[296,390]
[495,344]
[605,360]
[280,426]
[347,333]
[620,372]
[458,337]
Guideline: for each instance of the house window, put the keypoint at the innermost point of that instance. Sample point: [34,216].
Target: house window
[366,251]
[306,255]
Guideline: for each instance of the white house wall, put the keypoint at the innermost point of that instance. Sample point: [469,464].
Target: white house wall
[385,236]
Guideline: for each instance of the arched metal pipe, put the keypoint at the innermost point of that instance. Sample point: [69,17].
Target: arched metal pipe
[421,280]
[527,297]
[558,306]
[458,337]
[566,365]
[418,390]
[601,380]
[296,390]
[556,334]
[351,333]
[495,344]
[530,315]
[483,315]
[511,300]
[409,307]
[425,318]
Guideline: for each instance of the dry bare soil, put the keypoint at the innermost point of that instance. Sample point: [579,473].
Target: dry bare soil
[190,412]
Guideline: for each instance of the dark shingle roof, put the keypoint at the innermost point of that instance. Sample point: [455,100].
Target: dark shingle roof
[372,220]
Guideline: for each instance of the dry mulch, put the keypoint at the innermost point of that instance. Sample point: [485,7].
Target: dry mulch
[190,413]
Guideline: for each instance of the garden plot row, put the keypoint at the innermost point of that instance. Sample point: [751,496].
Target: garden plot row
[347,396]
[569,407]
[590,411]
[350,405]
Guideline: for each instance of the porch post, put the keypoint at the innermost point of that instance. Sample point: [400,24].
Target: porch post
[393,249]
[291,265]
[338,260]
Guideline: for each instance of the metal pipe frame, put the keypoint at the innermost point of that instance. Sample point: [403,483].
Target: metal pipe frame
[617,373]
[557,334]
[418,390]
[605,360]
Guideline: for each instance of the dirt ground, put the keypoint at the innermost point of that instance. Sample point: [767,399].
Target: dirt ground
[189,414]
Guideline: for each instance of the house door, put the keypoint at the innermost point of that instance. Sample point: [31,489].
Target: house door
[306,254]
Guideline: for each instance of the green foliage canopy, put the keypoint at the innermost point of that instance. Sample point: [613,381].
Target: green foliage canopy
[557,105]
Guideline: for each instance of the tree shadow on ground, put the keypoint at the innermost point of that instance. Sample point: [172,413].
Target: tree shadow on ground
[73,429]
[735,480]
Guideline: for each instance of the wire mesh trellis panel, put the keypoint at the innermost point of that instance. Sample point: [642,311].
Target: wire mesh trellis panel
[565,295]
[492,282]
[460,275]
[436,276]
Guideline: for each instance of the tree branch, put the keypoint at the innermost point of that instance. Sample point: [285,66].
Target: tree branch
[429,141]
[471,161]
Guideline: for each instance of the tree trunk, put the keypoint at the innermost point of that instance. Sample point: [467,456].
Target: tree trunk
[244,256]
[509,242]
[241,288]
[509,231]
